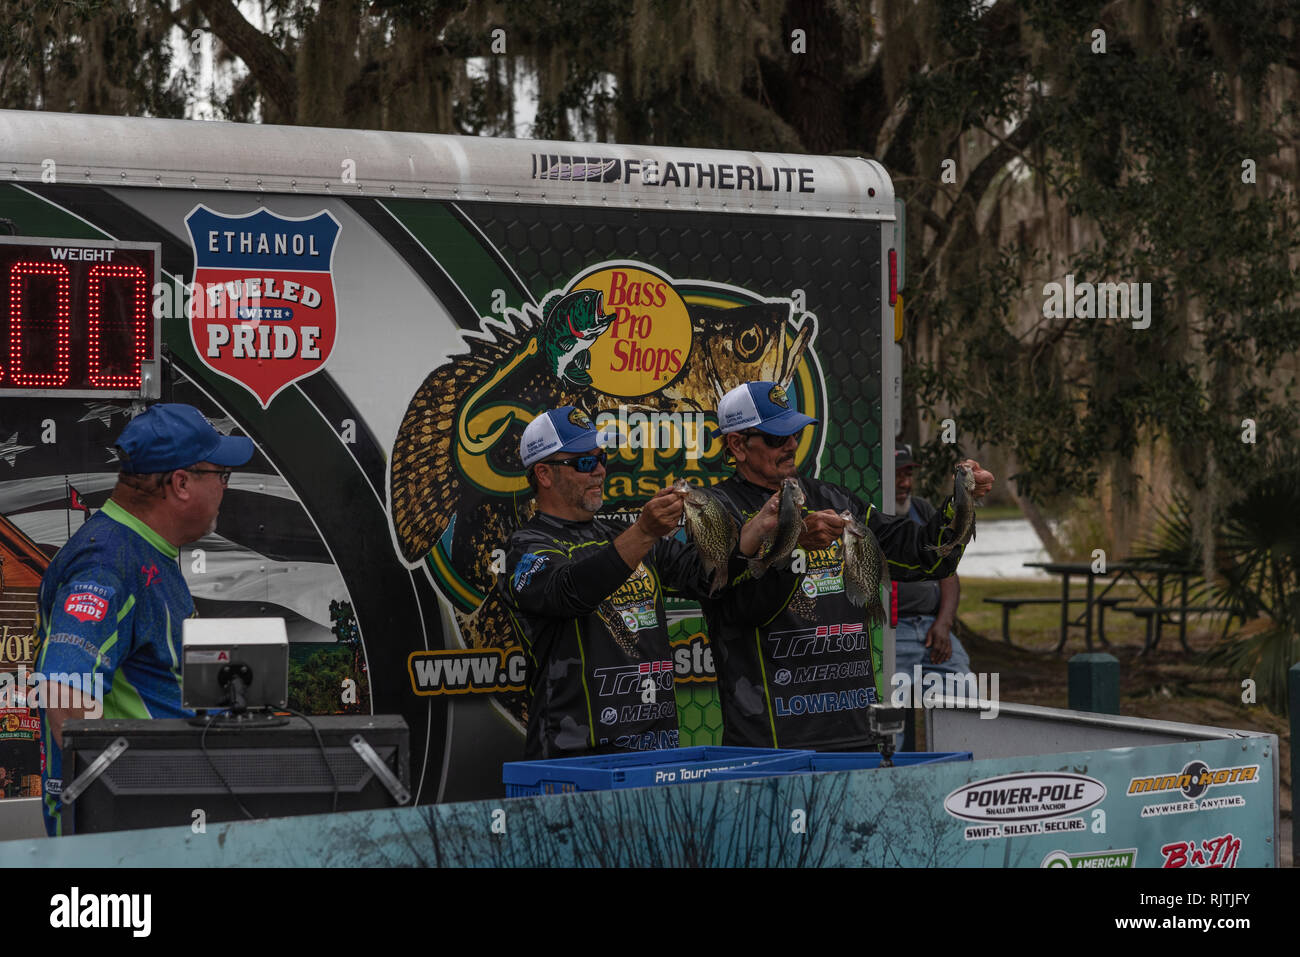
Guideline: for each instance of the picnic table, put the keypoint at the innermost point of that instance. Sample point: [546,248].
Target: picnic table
[1150,578]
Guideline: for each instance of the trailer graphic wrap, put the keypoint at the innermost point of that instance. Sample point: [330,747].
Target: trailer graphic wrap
[262,308]
[487,313]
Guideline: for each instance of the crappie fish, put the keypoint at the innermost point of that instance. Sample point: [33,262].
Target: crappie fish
[864,568]
[711,527]
[785,536]
[963,511]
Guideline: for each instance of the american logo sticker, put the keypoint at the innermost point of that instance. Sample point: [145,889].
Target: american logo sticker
[263,312]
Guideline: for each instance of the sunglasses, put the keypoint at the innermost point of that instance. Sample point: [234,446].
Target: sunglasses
[222,474]
[582,463]
[771,441]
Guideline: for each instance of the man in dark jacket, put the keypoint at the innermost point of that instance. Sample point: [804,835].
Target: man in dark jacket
[586,597]
[804,678]
[926,609]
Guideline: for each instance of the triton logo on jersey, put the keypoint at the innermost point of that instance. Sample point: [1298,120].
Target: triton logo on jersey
[85,606]
[624,679]
[819,640]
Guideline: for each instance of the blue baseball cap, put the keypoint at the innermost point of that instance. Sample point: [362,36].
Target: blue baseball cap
[759,405]
[172,435]
[566,429]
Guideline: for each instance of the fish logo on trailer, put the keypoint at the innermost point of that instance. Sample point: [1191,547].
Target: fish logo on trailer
[262,311]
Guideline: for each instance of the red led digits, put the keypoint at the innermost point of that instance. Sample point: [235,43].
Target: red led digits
[62,321]
[139,323]
[82,320]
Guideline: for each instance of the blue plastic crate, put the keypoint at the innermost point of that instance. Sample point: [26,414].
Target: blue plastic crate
[813,762]
[606,772]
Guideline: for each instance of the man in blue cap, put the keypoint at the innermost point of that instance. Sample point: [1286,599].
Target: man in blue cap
[112,601]
[586,598]
[804,678]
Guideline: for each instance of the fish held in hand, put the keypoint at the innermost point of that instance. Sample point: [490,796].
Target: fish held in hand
[963,511]
[789,526]
[864,569]
[711,527]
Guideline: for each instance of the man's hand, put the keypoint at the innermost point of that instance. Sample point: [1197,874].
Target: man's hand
[939,641]
[760,526]
[821,529]
[661,514]
[983,478]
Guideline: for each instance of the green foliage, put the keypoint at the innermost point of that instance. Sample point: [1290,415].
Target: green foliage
[1143,145]
[315,685]
[1255,571]
[317,680]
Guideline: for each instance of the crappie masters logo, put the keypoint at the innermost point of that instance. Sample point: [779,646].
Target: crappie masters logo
[263,311]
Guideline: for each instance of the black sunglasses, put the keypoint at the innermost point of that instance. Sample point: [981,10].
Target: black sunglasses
[224,474]
[582,463]
[771,441]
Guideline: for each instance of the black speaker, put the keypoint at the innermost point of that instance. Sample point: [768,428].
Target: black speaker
[168,770]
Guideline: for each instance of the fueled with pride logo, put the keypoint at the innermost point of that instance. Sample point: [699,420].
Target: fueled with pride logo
[86,606]
[262,309]
[1024,797]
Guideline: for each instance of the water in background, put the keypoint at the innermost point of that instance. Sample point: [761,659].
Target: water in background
[1000,550]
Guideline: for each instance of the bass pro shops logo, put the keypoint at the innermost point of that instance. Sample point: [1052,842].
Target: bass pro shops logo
[263,310]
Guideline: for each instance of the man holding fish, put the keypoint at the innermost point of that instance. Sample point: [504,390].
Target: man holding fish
[803,678]
[585,595]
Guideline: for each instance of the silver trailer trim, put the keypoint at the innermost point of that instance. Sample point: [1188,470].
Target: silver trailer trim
[70,148]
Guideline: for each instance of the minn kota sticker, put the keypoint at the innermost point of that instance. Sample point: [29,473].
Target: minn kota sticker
[263,311]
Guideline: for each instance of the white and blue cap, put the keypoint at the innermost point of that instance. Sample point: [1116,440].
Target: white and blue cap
[759,405]
[566,429]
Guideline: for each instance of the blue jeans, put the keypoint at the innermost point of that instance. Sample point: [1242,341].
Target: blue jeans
[910,650]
